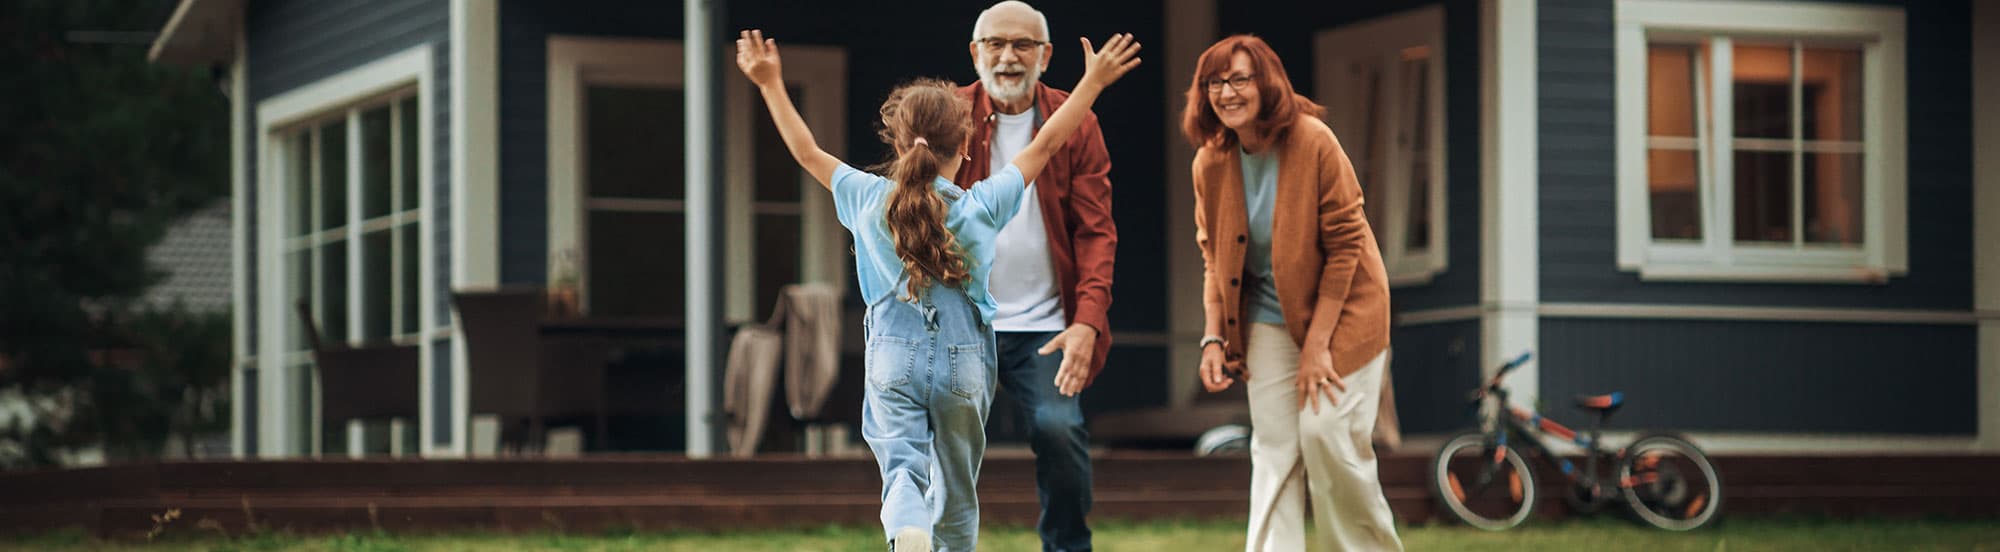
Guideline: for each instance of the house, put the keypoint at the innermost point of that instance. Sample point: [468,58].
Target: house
[1775,224]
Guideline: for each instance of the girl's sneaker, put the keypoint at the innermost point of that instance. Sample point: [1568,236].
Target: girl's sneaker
[910,539]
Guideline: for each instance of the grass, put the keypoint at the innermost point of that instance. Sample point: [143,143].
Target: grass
[1598,534]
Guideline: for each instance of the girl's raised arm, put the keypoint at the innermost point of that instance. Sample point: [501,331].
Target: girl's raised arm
[758,58]
[1100,69]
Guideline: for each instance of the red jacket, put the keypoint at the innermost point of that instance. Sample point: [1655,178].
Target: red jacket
[1075,191]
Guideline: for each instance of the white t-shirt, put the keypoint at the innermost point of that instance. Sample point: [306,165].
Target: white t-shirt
[1023,282]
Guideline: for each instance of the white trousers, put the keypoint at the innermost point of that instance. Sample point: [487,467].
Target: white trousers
[1328,455]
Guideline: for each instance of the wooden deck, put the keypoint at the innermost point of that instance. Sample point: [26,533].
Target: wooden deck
[668,492]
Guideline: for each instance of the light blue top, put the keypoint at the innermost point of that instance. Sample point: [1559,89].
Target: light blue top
[1260,196]
[975,216]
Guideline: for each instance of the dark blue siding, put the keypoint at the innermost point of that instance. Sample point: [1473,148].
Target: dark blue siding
[1765,376]
[1434,365]
[1578,214]
[441,392]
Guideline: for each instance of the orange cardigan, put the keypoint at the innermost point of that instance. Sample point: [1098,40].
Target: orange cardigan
[1330,279]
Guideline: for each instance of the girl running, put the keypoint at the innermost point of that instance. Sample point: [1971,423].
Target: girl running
[922,252]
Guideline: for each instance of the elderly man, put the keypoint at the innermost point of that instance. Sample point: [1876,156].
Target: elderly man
[1052,275]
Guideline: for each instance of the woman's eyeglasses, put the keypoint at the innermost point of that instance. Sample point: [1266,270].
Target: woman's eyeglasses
[1237,83]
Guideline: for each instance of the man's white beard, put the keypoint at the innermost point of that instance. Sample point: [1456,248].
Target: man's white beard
[1010,93]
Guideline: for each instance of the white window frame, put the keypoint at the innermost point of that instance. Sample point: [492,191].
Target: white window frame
[1385,38]
[279,118]
[820,74]
[1884,248]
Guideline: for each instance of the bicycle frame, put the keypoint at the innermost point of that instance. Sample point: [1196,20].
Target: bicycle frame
[1530,424]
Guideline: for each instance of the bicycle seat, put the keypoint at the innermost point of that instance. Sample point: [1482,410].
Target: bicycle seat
[1601,403]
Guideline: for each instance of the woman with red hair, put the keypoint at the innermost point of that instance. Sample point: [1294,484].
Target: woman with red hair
[1296,300]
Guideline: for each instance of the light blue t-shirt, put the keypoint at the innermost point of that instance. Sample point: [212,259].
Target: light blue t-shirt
[975,216]
[1260,197]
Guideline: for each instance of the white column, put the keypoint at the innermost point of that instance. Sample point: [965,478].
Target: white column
[1986,212]
[475,192]
[272,307]
[239,251]
[1509,150]
[475,145]
[704,206]
[1190,29]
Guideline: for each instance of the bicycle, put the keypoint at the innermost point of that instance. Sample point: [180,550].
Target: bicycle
[1665,480]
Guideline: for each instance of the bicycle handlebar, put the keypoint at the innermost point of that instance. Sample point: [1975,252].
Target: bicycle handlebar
[1517,362]
[1497,376]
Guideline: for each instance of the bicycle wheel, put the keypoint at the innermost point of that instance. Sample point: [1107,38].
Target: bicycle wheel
[1482,483]
[1669,483]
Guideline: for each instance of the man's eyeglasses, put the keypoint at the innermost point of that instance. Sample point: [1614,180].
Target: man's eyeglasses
[1237,83]
[1019,45]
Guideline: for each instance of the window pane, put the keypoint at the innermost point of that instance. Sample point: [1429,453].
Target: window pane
[1374,152]
[299,160]
[777,258]
[1833,198]
[1416,226]
[412,291]
[411,183]
[1670,90]
[375,169]
[1763,196]
[333,174]
[1673,193]
[333,292]
[637,264]
[298,289]
[777,174]
[1831,86]
[1417,72]
[377,297]
[1762,85]
[635,142]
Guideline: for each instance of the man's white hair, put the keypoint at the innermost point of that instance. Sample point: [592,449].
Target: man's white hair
[980,24]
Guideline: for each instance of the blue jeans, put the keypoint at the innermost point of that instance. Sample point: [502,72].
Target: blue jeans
[1056,432]
[930,371]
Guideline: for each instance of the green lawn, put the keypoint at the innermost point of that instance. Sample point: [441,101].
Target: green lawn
[1599,534]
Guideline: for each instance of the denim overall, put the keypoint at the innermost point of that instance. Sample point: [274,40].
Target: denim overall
[930,367]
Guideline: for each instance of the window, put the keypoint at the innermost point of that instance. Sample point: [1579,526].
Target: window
[617,200]
[1760,142]
[1382,81]
[352,230]
[352,227]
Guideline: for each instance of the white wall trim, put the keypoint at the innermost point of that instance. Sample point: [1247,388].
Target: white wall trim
[351,86]
[1439,315]
[1986,209]
[1190,28]
[1884,250]
[277,418]
[239,232]
[1509,190]
[1764,314]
